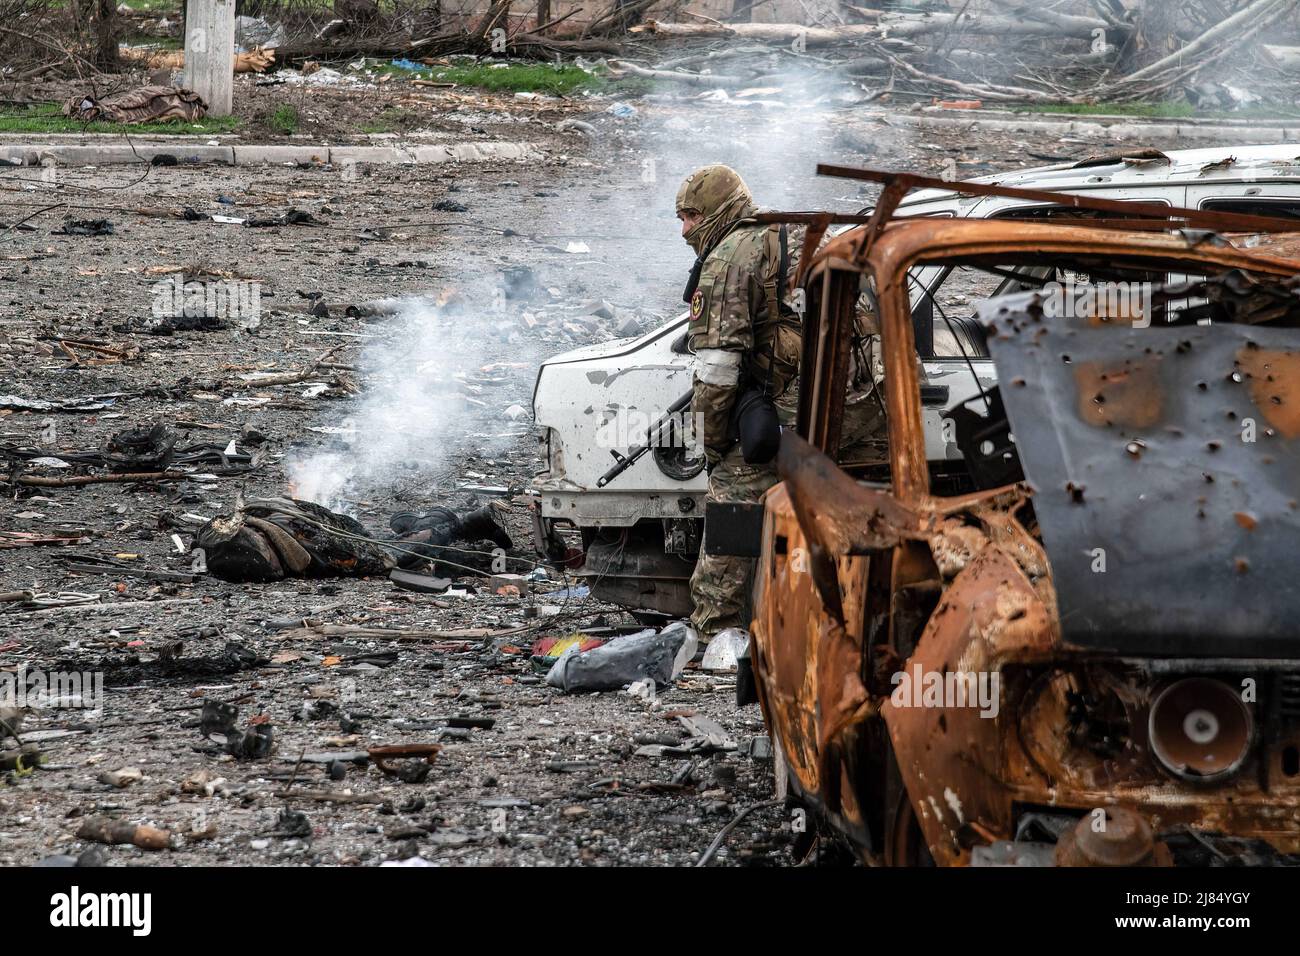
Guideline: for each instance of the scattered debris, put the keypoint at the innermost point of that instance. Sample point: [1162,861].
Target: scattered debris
[120,832]
[30,539]
[548,650]
[406,769]
[121,778]
[724,649]
[85,227]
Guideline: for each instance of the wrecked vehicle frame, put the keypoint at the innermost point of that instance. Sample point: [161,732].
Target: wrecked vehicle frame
[636,539]
[1122,731]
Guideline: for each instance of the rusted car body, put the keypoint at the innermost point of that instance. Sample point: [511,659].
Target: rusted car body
[1145,713]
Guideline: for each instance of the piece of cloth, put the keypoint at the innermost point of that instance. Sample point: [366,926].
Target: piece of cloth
[717,366]
[148,104]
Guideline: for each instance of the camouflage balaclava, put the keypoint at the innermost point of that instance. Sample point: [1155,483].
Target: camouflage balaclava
[721,197]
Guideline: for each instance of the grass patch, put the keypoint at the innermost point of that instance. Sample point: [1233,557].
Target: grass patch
[49,118]
[1156,110]
[284,120]
[388,120]
[154,6]
[507,77]
[154,43]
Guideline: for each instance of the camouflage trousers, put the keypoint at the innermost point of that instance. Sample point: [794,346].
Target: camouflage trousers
[720,584]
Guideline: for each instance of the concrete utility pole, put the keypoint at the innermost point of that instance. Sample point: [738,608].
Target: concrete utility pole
[210,52]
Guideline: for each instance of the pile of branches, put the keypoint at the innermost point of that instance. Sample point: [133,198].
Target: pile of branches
[422,28]
[82,37]
[1005,50]
[36,36]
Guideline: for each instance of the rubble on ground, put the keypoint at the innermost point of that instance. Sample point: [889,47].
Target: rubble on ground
[250,704]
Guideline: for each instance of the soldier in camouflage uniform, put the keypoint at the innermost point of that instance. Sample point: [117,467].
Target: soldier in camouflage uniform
[741,339]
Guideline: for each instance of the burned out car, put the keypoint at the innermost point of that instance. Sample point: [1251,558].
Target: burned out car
[1081,647]
[641,532]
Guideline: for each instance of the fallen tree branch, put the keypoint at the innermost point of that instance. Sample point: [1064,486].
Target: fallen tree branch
[690,79]
[1286,57]
[288,378]
[1261,12]
[1043,23]
[1065,24]
[79,480]
[695,59]
[891,26]
[985,91]
[765,32]
[113,607]
[522,44]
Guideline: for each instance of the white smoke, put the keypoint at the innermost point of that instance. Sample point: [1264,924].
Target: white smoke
[417,404]
[419,397]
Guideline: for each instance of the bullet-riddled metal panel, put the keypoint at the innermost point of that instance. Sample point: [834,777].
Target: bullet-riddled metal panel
[1166,475]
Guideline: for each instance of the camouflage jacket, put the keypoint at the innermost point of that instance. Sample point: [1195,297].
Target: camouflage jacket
[738,338]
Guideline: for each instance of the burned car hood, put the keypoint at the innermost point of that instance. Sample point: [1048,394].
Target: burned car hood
[1164,468]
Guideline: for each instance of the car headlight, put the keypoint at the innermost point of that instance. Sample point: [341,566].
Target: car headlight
[1200,729]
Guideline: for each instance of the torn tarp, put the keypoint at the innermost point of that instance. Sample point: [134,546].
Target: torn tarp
[148,104]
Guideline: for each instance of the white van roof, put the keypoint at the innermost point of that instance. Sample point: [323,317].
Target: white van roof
[1276,163]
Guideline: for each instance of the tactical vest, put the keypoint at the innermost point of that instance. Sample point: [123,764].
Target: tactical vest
[773,363]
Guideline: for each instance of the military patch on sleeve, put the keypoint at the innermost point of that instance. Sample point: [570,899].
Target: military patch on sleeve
[697,305]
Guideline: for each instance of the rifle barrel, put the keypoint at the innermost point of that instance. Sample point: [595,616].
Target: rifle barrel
[634,455]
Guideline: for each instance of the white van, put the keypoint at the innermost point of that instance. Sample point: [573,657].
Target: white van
[641,533]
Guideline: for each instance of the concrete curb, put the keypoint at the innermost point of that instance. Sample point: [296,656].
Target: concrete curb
[262,155]
[104,154]
[1126,129]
